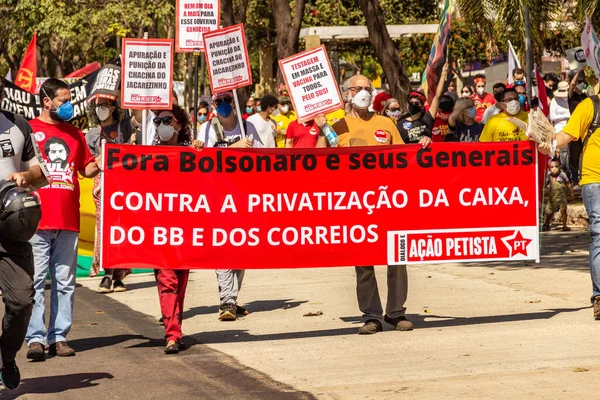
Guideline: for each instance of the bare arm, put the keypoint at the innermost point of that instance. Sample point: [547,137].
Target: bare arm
[93,168]
[455,114]
[435,103]
[573,82]
[322,141]
[32,177]
[289,143]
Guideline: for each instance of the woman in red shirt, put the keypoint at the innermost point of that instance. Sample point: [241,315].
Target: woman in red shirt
[172,129]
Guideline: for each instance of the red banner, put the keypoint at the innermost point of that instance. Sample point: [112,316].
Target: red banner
[175,207]
[27,75]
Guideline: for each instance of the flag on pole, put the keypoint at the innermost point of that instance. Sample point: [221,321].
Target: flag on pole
[542,95]
[591,46]
[86,70]
[437,56]
[8,76]
[513,62]
[27,75]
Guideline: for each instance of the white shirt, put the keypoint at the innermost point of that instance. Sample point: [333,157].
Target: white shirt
[150,128]
[489,113]
[559,113]
[208,135]
[265,130]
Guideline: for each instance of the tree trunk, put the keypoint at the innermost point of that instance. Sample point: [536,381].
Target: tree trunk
[386,51]
[228,19]
[287,28]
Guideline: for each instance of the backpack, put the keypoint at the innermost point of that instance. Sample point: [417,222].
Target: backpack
[593,128]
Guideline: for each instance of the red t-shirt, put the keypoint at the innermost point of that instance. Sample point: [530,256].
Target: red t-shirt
[380,100]
[481,104]
[440,127]
[65,152]
[304,135]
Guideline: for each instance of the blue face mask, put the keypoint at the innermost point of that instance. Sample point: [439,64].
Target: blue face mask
[64,112]
[471,112]
[224,109]
[258,109]
[202,118]
[519,82]
[522,99]
[249,110]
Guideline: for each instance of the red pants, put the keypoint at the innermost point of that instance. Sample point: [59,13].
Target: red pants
[171,293]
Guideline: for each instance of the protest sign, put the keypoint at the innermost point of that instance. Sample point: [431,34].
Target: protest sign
[147,73]
[311,83]
[591,46]
[539,128]
[107,84]
[194,18]
[461,203]
[227,58]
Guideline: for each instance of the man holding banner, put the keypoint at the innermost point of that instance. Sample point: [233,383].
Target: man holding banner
[363,128]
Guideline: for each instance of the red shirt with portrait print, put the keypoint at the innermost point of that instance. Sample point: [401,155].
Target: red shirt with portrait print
[303,135]
[482,104]
[65,152]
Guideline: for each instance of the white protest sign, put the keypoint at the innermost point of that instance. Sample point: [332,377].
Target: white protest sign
[147,78]
[576,57]
[227,58]
[195,17]
[591,47]
[311,83]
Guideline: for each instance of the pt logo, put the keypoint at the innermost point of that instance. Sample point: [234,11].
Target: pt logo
[516,244]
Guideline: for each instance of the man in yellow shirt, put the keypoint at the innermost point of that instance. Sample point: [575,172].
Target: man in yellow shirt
[584,124]
[499,128]
[360,127]
[283,119]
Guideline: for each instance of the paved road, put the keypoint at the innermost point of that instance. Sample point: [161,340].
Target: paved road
[119,356]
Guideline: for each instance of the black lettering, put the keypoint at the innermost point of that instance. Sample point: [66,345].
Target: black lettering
[354,161]
[370,161]
[246,164]
[206,164]
[332,162]
[144,160]
[503,158]
[162,163]
[459,157]
[129,162]
[231,165]
[280,164]
[401,161]
[295,159]
[112,157]
[488,155]
[441,159]
[516,154]
[424,161]
[475,158]
[527,156]
[309,162]
[186,161]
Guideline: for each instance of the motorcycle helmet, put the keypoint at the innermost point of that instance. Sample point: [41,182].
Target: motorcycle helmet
[20,212]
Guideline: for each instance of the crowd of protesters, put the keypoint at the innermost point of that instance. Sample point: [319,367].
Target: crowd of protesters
[473,115]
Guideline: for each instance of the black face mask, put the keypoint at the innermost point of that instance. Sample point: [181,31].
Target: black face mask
[414,109]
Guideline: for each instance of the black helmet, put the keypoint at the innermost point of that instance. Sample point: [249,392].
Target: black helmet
[20,212]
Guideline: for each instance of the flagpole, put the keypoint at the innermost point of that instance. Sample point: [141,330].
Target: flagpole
[528,52]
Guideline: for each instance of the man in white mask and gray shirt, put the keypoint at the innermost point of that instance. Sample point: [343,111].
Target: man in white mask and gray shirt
[224,131]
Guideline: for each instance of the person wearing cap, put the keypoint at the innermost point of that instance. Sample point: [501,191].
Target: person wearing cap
[224,131]
[482,99]
[419,123]
[282,118]
[559,115]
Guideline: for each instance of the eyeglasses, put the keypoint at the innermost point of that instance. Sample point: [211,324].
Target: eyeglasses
[165,120]
[203,113]
[357,89]
[226,99]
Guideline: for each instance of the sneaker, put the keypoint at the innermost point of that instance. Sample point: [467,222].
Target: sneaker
[228,312]
[172,347]
[61,349]
[119,286]
[400,323]
[105,285]
[10,376]
[597,307]
[35,352]
[241,310]
[370,327]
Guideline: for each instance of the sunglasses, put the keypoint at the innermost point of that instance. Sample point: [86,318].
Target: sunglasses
[226,99]
[203,113]
[164,120]
[359,88]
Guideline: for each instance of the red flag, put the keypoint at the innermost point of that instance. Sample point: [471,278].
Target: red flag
[27,75]
[542,96]
[86,70]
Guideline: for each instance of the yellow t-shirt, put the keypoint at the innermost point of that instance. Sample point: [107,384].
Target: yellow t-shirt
[282,122]
[376,131]
[499,129]
[578,126]
[335,116]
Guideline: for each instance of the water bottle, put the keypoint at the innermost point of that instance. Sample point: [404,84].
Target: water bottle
[330,134]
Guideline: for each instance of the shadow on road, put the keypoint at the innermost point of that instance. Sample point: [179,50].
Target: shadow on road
[94,343]
[55,384]
[420,322]
[253,307]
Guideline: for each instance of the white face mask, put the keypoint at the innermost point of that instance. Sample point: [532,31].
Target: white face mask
[165,132]
[393,114]
[362,99]
[285,109]
[480,91]
[513,107]
[465,95]
[102,113]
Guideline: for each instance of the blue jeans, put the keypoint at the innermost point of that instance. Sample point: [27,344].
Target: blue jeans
[54,251]
[591,199]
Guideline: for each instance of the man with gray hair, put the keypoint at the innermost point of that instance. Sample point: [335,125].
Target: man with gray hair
[360,127]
